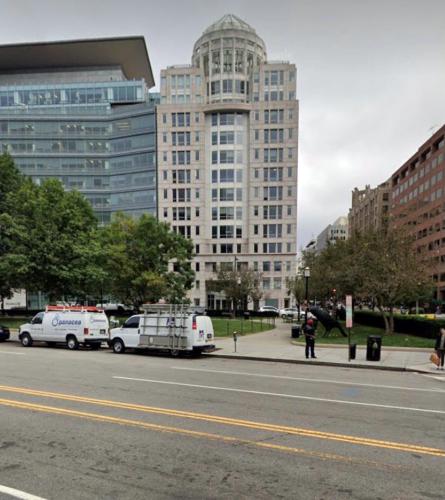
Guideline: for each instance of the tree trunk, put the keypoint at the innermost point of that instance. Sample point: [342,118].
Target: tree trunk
[385,318]
[391,320]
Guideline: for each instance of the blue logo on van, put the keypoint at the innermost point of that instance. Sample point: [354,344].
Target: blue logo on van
[57,321]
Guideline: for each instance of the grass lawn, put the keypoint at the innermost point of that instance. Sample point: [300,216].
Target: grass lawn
[14,322]
[224,327]
[360,333]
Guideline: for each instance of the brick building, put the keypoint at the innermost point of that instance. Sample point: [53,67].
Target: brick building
[418,202]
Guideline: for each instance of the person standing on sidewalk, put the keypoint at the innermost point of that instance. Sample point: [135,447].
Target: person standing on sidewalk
[309,335]
[440,348]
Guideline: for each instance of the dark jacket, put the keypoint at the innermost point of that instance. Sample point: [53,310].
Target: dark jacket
[438,342]
[309,331]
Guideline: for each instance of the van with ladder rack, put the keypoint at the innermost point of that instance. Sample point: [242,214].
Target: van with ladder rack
[70,325]
[174,328]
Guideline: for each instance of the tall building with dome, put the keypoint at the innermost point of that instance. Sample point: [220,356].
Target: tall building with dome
[227,138]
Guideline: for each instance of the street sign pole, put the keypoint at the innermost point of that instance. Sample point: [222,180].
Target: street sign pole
[349,322]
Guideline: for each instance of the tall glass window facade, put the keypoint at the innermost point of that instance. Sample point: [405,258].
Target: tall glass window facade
[76,133]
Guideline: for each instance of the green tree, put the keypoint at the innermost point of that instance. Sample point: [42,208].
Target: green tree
[146,261]
[10,182]
[378,266]
[54,234]
[388,271]
[296,289]
[240,286]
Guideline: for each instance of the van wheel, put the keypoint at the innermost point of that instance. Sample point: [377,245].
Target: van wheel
[118,346]
[174,353]
[26,340]
[72,343]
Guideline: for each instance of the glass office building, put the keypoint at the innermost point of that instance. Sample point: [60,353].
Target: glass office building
[80,111]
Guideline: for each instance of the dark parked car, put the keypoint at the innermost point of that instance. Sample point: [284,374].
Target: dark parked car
[4,333]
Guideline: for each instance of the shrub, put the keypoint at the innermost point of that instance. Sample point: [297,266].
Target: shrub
[413,325]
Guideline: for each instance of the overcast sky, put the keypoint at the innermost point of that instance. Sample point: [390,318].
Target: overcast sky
[371,73]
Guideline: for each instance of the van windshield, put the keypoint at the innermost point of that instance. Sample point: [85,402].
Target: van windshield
[132,322]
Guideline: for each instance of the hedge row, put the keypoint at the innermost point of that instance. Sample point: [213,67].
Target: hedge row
[413,325]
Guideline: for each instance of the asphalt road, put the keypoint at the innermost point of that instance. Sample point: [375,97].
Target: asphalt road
[92,424]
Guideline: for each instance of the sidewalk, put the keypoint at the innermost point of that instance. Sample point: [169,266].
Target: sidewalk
[277,345]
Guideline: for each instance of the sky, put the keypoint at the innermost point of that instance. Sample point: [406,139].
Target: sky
[370,74]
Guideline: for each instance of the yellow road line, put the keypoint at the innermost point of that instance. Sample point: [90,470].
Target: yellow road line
[186,432]
[232,421]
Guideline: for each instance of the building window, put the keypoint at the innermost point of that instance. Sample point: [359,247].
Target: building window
[197,267]
[196,249]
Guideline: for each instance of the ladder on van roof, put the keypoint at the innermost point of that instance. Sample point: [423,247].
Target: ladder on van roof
[73,308]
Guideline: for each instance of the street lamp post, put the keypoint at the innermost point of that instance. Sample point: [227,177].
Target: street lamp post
[307,274]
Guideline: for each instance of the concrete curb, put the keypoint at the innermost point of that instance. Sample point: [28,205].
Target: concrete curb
[317,363]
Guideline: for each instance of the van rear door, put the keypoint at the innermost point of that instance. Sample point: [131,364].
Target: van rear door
[203,330]
[97,326]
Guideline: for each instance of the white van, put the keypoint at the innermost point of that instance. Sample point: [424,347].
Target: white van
[169,327]
[71,325]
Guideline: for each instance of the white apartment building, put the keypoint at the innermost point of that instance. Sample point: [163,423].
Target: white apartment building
[227,135]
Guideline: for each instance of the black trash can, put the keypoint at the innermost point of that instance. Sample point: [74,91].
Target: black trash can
[246,315]
[373,348]
[352,351]
[295,332]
